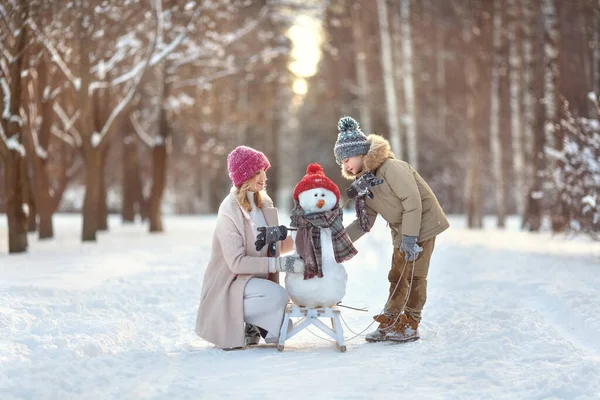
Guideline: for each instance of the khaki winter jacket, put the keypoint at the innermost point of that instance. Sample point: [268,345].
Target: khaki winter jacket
[233,261]
[404,200]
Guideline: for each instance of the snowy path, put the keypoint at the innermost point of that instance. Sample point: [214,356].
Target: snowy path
[510,316]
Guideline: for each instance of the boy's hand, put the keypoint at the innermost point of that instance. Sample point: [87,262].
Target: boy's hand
[362,186]
[269,235]
[410,248]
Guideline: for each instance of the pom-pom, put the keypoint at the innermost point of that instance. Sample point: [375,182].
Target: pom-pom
[314,169]
[347,124]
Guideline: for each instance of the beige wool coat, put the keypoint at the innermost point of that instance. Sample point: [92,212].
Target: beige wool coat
[233,261]
[404,200]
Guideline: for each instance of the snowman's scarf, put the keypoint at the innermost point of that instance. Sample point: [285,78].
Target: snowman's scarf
[308,238]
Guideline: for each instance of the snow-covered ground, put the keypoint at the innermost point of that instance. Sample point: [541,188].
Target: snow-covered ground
[510,315]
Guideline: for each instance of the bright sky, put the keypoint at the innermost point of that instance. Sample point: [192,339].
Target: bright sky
[306,38]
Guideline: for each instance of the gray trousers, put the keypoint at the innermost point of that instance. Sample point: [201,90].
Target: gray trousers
[264,306]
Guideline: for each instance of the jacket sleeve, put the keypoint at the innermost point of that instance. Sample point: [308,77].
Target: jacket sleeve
[234,249]
[402,182]
[354,230]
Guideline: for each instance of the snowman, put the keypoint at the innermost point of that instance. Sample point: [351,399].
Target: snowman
[320,240]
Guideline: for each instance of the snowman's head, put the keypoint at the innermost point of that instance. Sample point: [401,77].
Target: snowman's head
[316,192]
[317,200]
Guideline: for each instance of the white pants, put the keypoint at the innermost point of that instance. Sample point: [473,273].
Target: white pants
[264,306]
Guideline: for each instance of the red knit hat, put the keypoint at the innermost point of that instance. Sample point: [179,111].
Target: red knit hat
[315,178]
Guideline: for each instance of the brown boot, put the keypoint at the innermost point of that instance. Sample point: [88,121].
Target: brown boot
[385,322]
[394,329]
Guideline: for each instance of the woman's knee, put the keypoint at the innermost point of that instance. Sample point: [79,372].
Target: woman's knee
[280,297]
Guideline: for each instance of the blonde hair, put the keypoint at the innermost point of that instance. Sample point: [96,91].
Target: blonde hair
[242,197]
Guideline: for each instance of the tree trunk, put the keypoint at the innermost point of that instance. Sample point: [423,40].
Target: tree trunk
[554,139]
[31,203]
[102,206]
[287,148]
[242,111]
[391,101]
[43,196]
[596,53]
[528,89]
[14,186]
[129,180]
[15,179]
[473,184]
[141,201]
[495,144]
[515,105]
[45,201]
[93,175]
[360,58]
[409,84]
[534,205]
[159,175]
[440,75]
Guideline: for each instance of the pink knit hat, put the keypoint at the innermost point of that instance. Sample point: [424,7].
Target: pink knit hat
[244,162]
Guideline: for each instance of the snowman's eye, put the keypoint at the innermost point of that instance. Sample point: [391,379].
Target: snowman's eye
[322,194]
[316,195]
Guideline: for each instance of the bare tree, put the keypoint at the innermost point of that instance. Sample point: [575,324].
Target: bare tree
[514,40]
[496,147]
[409,83]
[388,78]
[554,137]
[534,132]
[471,33]
[13,42]
[362,72]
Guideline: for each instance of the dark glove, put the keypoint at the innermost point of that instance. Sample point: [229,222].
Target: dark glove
[362,186]
[269,235]
[410,248]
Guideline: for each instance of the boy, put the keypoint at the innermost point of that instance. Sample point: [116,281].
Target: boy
[385,185]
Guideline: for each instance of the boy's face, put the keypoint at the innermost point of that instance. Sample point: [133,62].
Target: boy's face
[353,165]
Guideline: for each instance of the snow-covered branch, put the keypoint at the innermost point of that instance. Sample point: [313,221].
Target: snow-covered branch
[3,140]
[164,52]
[216,40]
[76,82]
[233,37]
[33,121]
[62,136]
[140,131]
[5,97]
[68,123]
[153,61]
[98,137]
[206,80]
[12,143]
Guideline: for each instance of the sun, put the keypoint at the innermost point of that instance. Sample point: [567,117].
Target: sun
[306,39]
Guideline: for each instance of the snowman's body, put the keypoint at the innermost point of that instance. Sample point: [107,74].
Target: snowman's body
[331,288]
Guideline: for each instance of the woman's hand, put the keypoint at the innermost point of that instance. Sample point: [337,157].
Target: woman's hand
[290,264]
[269,235]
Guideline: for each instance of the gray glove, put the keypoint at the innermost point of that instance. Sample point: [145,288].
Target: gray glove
[269,235]
[290,264]
[410,248]
[362,186]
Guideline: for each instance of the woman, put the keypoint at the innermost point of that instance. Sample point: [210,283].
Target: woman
[241,283]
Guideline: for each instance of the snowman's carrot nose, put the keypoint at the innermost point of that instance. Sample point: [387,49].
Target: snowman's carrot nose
[320,203]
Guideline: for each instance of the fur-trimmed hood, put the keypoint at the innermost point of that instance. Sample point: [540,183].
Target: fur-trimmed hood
[379,151]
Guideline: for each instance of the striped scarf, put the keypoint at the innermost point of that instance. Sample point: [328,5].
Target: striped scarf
[308,238]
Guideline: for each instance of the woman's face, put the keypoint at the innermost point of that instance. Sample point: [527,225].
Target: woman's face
[258,182]
[353,165]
